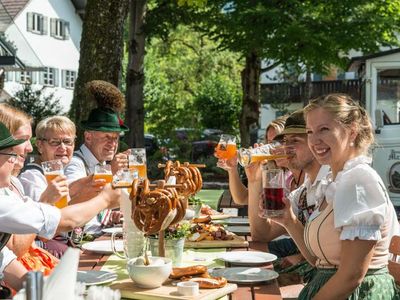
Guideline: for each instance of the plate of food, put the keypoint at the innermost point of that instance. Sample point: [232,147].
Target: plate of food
[247,258]
[103,247]
[93,277]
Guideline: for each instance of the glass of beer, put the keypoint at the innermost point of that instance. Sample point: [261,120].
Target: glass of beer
[103,172]
[226,148]
[271,151]
[52,169]
[271,202]
[137,161]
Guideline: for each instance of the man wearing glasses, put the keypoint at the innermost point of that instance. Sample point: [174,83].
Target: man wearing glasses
[101,138]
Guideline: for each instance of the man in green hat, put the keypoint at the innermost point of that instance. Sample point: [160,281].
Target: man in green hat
[101,138]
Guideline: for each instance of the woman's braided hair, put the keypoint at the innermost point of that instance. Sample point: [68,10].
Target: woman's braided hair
[349,113]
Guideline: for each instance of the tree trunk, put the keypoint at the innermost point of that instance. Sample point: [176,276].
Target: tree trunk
[101,50]
[135,74]
[251,97]
[308,91]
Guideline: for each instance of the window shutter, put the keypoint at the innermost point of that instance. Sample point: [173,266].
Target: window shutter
[56,77]
[53,27]
[34,77]
[10,76]
[29,21]
[41,77]
[44,25]
[63,78]
[66,30]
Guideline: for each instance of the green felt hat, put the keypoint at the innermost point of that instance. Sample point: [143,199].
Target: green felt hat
[6,138]
[104,119]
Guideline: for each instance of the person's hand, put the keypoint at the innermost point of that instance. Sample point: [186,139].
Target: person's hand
[228,164]
[56,189]
[120,161]
[288,217]
[253,171]
[111,196]
[291,260]
[115,218]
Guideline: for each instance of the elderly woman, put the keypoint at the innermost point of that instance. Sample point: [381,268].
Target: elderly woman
[348,236]
[21,215]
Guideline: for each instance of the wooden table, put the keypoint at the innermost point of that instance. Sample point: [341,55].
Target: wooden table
[94,261]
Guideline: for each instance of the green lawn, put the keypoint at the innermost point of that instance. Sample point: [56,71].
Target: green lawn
[210,197]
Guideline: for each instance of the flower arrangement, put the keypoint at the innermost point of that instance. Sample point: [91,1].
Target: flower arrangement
[178,231]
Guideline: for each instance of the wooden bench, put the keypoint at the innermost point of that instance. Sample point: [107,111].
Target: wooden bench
[226,201]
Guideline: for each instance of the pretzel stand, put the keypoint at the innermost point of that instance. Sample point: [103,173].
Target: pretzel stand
[157,206]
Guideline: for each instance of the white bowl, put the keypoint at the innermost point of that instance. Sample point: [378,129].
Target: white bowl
[150,276]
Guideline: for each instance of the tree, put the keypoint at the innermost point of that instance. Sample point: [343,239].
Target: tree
[101,50]
[36,103]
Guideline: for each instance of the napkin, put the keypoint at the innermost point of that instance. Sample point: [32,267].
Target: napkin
[61,283]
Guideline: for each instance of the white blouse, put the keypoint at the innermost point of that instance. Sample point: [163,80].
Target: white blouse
[360,201]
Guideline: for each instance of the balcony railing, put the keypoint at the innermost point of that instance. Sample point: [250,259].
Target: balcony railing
[285,92]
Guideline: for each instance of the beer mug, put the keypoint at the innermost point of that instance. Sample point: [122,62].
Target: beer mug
[271,151]
[274,188]
[51,170]
[226,148]
[103,172]
[137,161]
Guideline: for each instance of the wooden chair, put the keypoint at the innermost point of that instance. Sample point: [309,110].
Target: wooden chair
[394,261]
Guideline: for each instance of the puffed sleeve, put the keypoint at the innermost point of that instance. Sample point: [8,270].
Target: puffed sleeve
[6,257]
[360,204]
[28,217]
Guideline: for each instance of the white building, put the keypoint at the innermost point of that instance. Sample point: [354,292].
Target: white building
[46,35]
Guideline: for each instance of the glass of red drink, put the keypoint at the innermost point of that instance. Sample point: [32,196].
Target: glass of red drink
[271,202]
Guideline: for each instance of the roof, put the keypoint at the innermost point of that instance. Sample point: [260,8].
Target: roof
[357,61]
[9,9]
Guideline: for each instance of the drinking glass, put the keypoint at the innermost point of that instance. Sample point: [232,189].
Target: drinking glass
[270,151]
[103,172]
[271,202]
[226,148]
[137,161]
[52,169]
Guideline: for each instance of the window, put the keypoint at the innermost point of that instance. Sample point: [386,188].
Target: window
[36,23]
[69,78]
[9,76]
[59,29]
[24,77]
[49,77]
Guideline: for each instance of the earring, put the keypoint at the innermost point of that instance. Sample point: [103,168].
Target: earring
[351,144]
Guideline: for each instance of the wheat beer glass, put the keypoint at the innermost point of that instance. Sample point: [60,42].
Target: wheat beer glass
[137,161]
[103,172]
[271,202]
[52,169]
[271,151]
[226,148]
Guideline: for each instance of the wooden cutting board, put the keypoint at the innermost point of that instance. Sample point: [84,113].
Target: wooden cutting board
[237,242]
[168,291]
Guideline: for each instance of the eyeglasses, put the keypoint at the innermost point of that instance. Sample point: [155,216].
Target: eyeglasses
[13,156]
[57,142]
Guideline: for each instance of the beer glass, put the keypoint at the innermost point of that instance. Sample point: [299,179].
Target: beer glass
[52,169]
[137,161]
[226,148]
[271,202]
[271,151]
[103,172]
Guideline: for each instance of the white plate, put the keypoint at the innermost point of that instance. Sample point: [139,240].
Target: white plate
[95,277]
[103,247]
[247,257]
[111,230]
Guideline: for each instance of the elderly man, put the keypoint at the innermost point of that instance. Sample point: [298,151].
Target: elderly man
[101,138]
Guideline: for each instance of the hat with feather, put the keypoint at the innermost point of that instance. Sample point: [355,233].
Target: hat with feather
[110,103]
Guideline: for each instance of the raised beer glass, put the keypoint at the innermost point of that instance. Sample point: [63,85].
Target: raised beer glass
[103,172]
[51,170]
[271,151]
[226,148]
[274,188]
[137,161]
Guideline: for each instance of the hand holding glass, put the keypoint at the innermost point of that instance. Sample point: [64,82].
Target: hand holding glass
[103,172]
[226,148]
[52,169]
[137,161]
[271,202]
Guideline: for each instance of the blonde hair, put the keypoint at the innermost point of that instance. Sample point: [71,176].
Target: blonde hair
[349,113]
[60,124]
[278,124]
[13,117]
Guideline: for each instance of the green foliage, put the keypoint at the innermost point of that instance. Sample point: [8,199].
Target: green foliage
[36,103]
[178,70]
[218,104]
[178,231]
